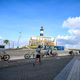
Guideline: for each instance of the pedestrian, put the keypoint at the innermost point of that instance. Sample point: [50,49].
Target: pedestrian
[38,55]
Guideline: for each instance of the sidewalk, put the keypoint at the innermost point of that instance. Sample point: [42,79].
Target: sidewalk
[15,62]
[71,71]
[23,70]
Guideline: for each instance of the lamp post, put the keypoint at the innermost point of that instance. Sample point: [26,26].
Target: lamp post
[19,39]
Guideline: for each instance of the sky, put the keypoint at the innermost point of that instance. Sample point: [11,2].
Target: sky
[23,18]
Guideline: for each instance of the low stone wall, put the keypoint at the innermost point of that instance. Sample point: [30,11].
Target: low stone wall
[62,52]
[20,52]
[31,51]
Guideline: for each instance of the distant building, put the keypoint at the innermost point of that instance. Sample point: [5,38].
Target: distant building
[42,40]
[37,40]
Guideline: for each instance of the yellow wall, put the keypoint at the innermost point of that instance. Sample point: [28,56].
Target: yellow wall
[40,40]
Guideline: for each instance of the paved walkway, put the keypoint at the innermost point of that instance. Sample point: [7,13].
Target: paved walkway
[23,70]
[71,71]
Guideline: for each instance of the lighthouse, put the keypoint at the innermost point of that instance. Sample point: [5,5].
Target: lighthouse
[41,31]
[42,39]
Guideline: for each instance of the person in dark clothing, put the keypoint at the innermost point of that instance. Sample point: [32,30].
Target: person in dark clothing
[71,52]
[38,55]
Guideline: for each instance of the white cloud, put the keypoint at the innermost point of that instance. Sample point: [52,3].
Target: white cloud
[68,41]
[73,37]
[74,32]
[64,37]
[72,22]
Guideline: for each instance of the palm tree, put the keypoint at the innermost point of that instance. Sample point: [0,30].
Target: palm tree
[7,42]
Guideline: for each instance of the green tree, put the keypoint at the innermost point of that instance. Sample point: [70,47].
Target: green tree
[7,42]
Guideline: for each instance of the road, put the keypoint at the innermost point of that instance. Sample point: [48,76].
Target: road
[24,70]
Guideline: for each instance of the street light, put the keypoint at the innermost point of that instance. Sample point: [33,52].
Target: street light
[19,39]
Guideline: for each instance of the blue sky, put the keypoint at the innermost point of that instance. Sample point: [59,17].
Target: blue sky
[27,16]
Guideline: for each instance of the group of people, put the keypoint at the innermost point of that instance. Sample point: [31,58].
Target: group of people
[38,54]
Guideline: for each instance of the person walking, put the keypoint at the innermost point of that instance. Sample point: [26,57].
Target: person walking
[38,55]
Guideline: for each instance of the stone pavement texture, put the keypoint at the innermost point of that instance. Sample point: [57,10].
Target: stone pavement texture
[47,70]
[75,71]
[71,71]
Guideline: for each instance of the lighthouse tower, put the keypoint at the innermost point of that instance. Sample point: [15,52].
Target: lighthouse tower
[41,31]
